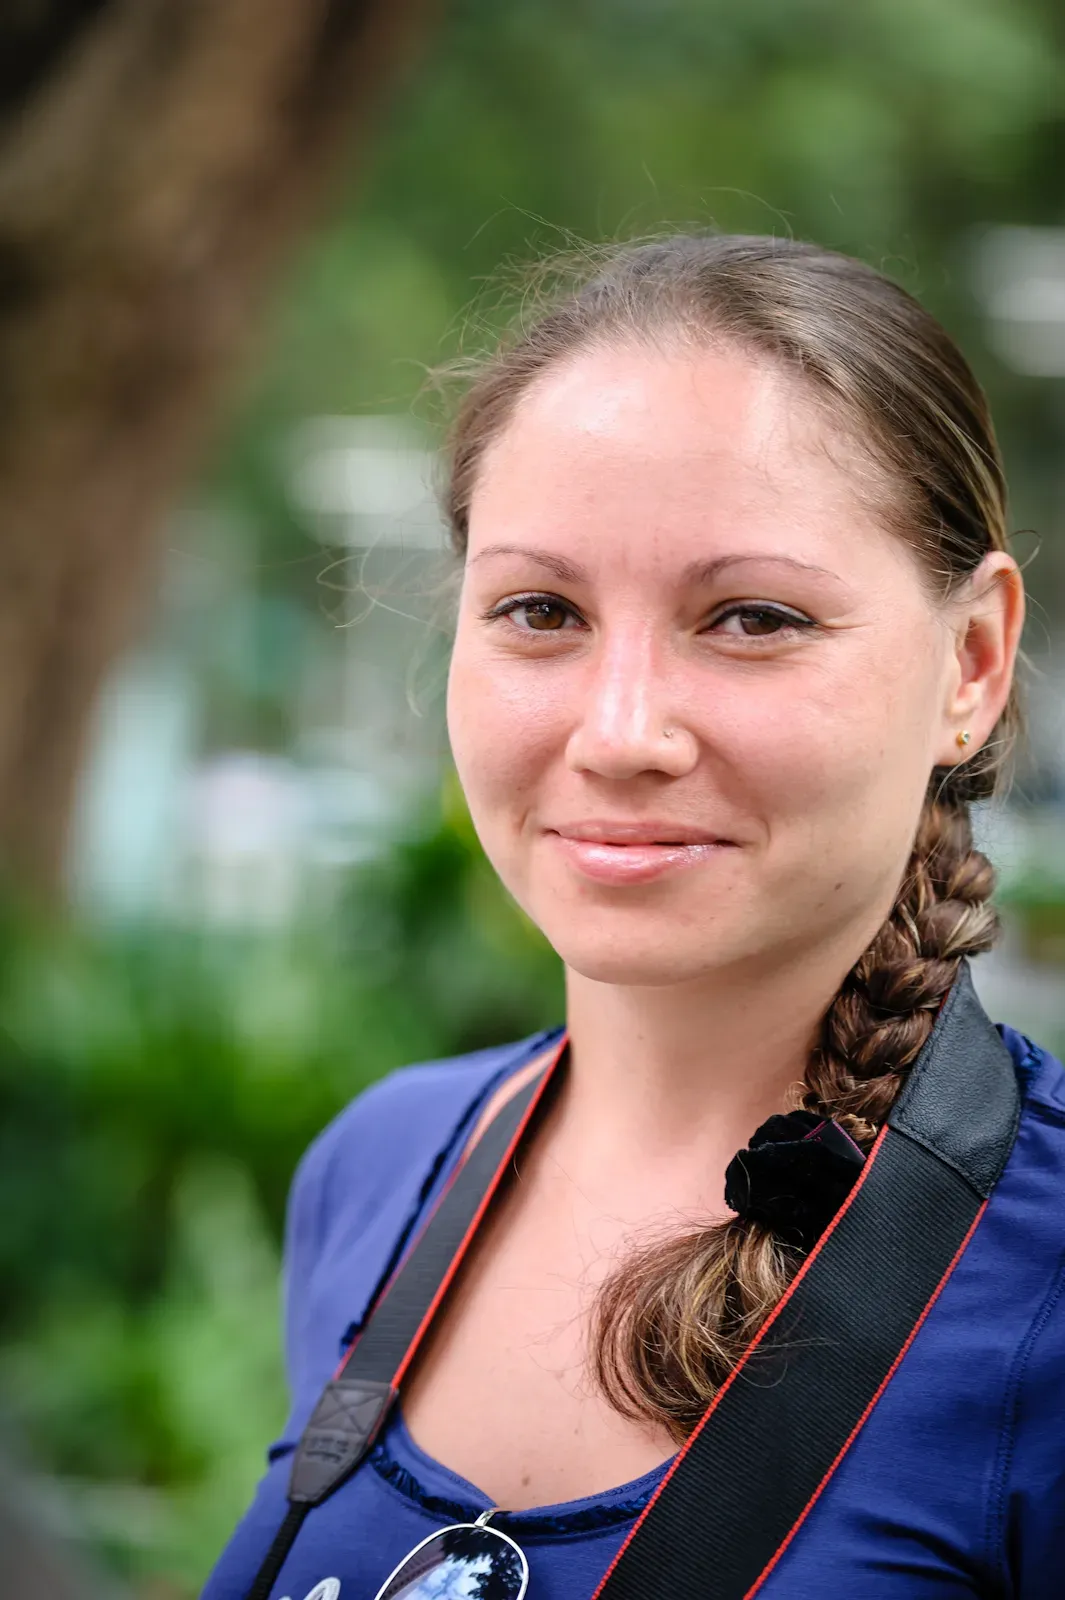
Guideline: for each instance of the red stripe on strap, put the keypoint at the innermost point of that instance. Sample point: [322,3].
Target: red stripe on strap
[486,1198]
[865,1414]
[747,1354]
[467,1237]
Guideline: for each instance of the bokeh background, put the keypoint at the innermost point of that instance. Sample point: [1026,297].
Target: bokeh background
[240,883]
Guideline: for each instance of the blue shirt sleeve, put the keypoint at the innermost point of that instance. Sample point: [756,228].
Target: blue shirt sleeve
[337,1183]
[303,1235]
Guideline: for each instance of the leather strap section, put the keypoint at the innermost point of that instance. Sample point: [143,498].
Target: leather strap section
[343,1427]
[961,1099]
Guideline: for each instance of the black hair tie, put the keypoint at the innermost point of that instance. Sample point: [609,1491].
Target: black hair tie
[794,1175]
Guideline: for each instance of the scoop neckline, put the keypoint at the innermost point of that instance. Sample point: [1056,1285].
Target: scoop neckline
[420,1477]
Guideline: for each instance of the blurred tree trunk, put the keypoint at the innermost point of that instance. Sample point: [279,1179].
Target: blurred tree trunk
[157,158]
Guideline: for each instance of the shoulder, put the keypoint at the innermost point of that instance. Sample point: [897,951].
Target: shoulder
[400,1128]
[1039,1151]
[406,1120]
[1032,1187]
[1009,1275]
[1029,1192]
[1041,1074]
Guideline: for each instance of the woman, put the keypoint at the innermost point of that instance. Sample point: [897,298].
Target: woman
[734,651]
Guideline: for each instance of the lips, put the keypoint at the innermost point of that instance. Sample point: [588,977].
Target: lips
[634,852]
[634,833]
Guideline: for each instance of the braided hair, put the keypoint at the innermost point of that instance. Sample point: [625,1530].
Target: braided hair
[672,1320]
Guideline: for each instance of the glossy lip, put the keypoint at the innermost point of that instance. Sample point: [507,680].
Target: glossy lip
[617,861]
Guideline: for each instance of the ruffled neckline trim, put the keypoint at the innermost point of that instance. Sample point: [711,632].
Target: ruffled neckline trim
[420,1478]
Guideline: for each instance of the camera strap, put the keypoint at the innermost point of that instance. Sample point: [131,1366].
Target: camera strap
[741,1486]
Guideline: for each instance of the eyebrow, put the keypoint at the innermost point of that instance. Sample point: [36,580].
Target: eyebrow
[695,572]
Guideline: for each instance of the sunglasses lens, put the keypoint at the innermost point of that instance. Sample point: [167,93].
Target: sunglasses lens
[466,1562]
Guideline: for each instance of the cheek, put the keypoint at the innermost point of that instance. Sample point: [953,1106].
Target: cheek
[500,725]
[841,757]
[830,776]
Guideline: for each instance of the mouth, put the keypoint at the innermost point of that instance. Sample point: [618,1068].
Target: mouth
[624,834]
[607,856]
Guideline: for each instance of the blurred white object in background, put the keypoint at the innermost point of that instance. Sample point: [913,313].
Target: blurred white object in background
[244,817]
[1019,276]
[177,821]
[366,481]
[125,821]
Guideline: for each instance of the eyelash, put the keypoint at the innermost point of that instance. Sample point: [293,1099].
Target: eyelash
[793,622]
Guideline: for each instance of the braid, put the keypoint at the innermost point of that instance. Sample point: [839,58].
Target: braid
[884,1012]
[672,1322]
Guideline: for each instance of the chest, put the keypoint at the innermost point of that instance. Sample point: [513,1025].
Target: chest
[905,1517]
[504,1392]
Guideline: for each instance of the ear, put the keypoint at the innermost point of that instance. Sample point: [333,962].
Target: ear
[986,619]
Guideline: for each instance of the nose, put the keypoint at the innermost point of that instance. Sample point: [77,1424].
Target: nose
[626,718]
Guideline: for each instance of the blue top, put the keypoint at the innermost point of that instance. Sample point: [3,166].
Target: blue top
[954,1487]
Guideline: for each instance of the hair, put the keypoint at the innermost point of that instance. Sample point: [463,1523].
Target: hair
[672,1321]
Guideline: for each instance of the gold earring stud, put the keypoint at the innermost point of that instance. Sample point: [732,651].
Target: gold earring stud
[667,733]
[963,738]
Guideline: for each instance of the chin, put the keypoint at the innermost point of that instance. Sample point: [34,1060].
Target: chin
[652,962]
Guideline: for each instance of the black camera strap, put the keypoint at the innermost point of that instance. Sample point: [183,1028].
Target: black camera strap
[741,1486]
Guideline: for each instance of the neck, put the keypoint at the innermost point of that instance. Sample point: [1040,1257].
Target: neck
[665,1068]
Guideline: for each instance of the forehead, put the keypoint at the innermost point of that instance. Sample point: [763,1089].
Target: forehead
[675,446]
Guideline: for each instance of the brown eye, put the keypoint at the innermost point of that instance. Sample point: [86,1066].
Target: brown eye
[534,613]
[545,616]
[758,623]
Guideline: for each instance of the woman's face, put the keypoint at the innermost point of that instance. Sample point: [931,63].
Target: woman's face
[678,542]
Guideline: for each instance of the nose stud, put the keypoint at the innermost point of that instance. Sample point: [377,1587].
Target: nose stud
[963,738]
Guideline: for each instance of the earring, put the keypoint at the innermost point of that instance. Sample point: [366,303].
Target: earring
[963,738]
[667,733]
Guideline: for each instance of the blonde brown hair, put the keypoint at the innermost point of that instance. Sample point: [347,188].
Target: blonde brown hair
[672,1321]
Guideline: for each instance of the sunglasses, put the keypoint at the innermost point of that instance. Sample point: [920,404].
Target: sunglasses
[468,1561]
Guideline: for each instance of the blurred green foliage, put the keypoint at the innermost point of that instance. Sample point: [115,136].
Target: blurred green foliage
[157,1085]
